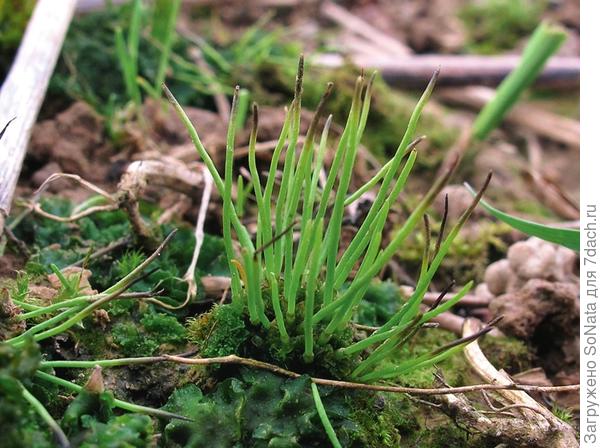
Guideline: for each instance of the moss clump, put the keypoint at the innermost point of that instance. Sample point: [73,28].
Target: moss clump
[154,330]
[497,25]
[468,257]
[225,330]
[507,353]
[379,304]
[385,420]
[220,332]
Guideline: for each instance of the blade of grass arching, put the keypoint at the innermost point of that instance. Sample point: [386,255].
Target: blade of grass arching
[356,246]
[39,311]
[568,238]
[324,419]
[32,331]
[426,361]
[229,213]
[311,195]
[544,42]
[311,287]
[448,304]
[276,301]
[404,145]
[361,281]
[135,29]
[283,135]
[125,405]
[332,238]
[163,30]
[240,119]
[304,169]
[196,140]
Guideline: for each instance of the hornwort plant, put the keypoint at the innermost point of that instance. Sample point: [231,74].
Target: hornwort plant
[301,294]
[303,290]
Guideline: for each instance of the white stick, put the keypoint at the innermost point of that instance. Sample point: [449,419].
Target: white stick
[25,86]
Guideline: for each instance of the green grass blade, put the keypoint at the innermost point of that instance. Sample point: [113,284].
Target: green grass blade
[568,238]
[544,42]
[165,18]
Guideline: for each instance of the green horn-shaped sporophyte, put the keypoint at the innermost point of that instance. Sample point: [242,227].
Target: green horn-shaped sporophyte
[295,279]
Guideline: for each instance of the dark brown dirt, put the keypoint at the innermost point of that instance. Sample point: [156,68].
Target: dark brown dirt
[546,315]
[72,142]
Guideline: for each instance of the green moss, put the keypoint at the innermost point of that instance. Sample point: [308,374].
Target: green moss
[133,342]
[61,244]
[507,353]
[92,340]
[468,256]
[145,339]
[220,332]
[381,301]
[385,420]
[225,330]
[164,327]
[497,25]
[564,414]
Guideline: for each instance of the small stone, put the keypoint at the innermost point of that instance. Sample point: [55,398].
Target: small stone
[532,259]
[483,292]
[497,276]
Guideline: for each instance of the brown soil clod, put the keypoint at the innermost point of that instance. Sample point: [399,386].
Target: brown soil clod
[74,141]
[546,314]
